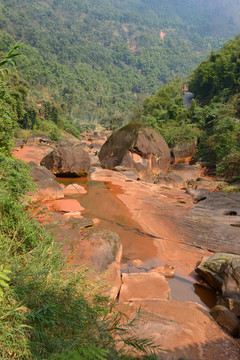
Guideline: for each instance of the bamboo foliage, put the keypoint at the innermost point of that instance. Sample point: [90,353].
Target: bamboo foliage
[9,59]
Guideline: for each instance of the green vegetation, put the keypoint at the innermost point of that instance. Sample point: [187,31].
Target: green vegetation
[218,77]
[9,59]
[164,112]
[38,112]
[213,116]
[216,86]
[100,58]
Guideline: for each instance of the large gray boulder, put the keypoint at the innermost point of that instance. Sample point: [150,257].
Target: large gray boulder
[67,160]
[136,146]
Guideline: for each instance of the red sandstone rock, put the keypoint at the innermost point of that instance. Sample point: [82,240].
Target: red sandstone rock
[113,276]
[75,214]
[96,221]
[66,205]
[47,187]
[142,286]
[167,271]
[32,153]
[74,189]
[156,209]
[185,330]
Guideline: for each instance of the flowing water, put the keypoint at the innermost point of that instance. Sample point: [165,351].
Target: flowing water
[138,248]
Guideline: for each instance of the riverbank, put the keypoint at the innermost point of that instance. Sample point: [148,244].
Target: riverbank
[183,328]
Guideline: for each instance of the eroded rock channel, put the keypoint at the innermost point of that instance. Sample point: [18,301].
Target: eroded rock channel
[163,236]
[139,247]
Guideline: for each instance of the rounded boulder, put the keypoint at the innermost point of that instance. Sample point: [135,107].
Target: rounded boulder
[67,160]
[135,146]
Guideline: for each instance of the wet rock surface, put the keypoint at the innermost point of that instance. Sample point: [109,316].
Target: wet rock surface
[74,189]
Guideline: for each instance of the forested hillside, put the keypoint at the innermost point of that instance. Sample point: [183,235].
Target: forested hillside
[100,58]
[212,118]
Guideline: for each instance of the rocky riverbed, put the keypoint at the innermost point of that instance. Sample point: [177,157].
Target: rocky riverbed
[179,232]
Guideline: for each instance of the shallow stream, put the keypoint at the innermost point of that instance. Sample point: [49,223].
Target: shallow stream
[138,247]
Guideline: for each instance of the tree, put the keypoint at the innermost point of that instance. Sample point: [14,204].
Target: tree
[7,124]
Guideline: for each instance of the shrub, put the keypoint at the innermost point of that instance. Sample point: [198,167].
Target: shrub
[7,124]
[229,167]
[71,129]
[49,128]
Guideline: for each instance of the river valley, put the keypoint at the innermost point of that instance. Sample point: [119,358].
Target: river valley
[152,222]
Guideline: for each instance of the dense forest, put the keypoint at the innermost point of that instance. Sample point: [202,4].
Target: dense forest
[212,118]
[101,58]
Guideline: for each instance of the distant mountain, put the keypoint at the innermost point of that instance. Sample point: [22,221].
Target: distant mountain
[99,57]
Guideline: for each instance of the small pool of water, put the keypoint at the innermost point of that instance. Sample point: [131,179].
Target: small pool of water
[139,251]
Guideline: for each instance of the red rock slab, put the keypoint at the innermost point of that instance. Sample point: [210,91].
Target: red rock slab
[72,215]
[32,153]
[74,189]
[142,286]
[112,277]
[166,270]
[154,208]
[185,330]
[66,205]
